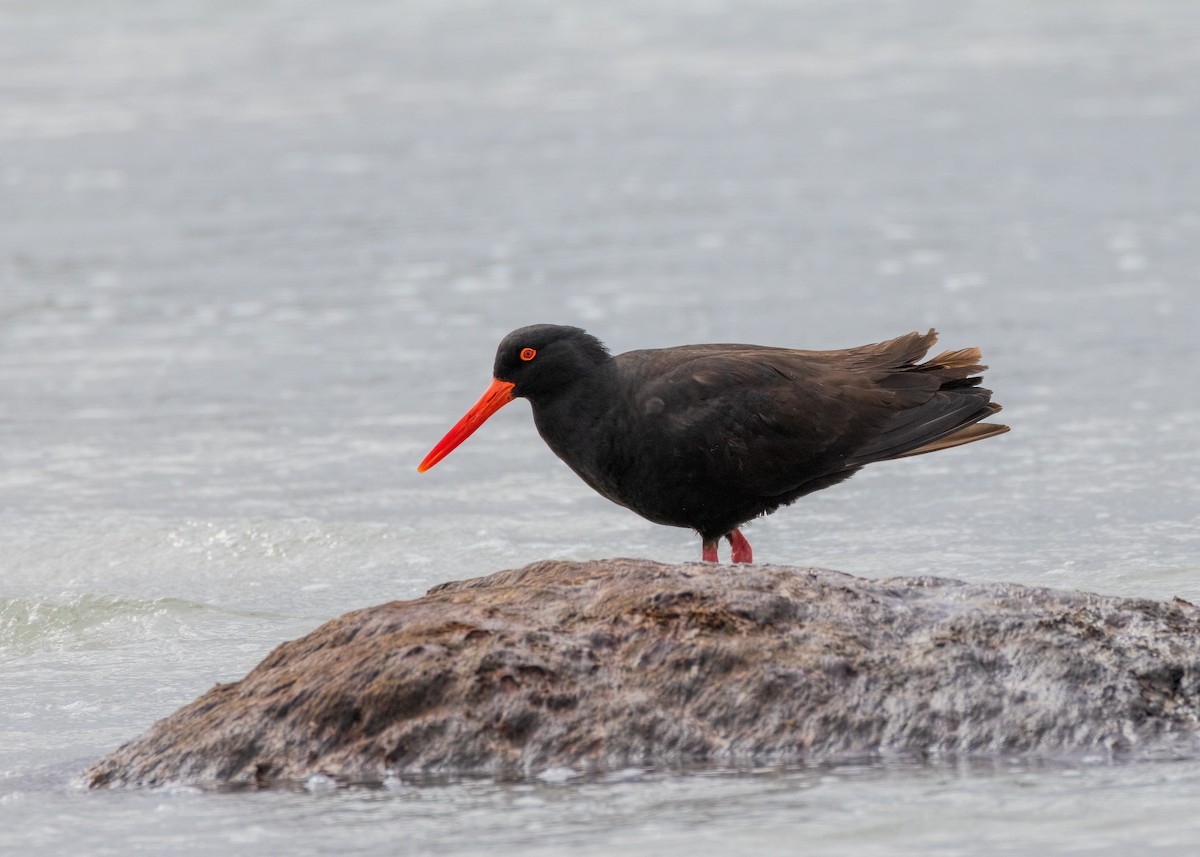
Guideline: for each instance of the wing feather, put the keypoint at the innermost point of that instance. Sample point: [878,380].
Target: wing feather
[768,421]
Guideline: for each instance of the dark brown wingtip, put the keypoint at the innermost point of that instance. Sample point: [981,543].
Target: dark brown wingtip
[970,434]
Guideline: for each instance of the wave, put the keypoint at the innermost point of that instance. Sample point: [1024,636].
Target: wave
[87,621]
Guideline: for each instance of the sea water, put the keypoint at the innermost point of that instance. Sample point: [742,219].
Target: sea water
[254,261]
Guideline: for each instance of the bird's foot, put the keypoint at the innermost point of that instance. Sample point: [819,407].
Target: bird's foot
[739,546]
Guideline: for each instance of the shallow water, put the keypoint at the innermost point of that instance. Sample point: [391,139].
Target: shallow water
[256,258]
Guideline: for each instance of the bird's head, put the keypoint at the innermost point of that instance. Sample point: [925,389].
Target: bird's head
[533,362]
[541,359]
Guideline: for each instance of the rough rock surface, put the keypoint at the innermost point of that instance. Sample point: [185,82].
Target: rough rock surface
[620,662]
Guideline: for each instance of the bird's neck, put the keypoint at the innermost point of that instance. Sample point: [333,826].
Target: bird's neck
[570,418]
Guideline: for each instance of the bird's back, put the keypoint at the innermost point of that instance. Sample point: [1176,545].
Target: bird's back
[709,436]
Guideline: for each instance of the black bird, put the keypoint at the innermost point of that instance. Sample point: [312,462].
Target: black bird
[711,436]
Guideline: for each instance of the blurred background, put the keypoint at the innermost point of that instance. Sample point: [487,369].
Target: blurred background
[255,258]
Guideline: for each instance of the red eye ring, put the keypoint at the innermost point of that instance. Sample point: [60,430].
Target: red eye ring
[528,354]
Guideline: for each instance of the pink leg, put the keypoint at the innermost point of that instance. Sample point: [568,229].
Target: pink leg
[741,547]
[708,551]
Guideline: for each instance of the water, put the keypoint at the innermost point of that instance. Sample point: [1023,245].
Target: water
[255,259]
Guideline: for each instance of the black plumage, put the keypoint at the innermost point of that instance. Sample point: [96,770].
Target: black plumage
[711,436]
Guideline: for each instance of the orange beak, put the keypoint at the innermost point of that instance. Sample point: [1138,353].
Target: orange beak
[493,399]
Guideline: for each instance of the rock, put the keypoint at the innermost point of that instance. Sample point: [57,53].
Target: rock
[602,665]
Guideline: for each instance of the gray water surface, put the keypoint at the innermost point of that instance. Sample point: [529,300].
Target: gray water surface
[255,258]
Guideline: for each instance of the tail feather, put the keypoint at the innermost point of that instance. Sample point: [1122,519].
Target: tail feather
[947,414]
[954,365]
[956,359]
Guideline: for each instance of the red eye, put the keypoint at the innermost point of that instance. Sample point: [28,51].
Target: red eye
[528,354]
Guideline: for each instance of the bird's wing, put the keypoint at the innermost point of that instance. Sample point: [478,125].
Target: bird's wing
[764,421]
